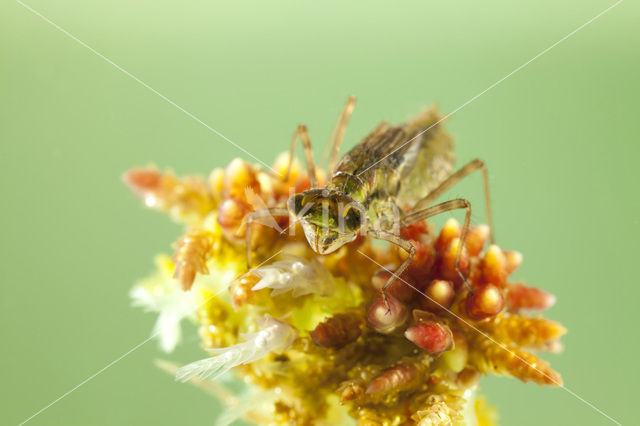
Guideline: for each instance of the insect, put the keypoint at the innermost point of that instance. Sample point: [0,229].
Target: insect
[386,182]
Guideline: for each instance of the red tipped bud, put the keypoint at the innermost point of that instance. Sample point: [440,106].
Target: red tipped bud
[385,319]
[521,297]
[439,296]
[486,302]
[430,336]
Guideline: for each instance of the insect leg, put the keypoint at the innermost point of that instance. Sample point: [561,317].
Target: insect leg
[457,177]
[417,215]
[402,243]
[252,217]
[303,134]
[338,133]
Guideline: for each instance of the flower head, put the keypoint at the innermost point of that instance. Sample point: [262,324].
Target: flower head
[312,333]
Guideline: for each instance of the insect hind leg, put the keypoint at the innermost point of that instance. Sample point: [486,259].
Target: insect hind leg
[463,172]
[338,133]
[303,134]
[405,245]
[419,214]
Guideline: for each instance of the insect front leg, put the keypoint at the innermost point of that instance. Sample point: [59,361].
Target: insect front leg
[405,245]
[417,215]
[253,217]
[338,133]
[302,134]
[465,171]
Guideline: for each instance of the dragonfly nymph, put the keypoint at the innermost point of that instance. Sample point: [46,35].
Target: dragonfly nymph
[388,181]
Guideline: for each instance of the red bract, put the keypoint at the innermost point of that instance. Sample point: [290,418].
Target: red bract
[431,336]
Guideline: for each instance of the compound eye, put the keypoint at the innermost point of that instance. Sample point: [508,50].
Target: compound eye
[352,219]
[296,203]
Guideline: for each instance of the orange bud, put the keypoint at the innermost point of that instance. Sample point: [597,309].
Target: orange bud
[492,358]
[187,198]
[398,288]
[494,266]
[450,230]
[513,258]
[448,261]
[143,181]
[238,178]
[521,297]
[282,163]
[231,212]
[421,266]
[216,183]
[486,302]
[476,238]
[191,255]
[439,296]
[414,231]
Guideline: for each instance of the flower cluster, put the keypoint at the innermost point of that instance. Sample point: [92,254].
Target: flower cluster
[312,334]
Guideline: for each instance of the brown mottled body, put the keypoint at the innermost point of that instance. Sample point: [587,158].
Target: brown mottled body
[385,183]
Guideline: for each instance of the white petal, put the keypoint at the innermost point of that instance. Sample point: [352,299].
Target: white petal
[295,274]
[274,335]
[172,304]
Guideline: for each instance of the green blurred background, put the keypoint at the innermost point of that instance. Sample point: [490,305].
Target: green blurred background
[559,136]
